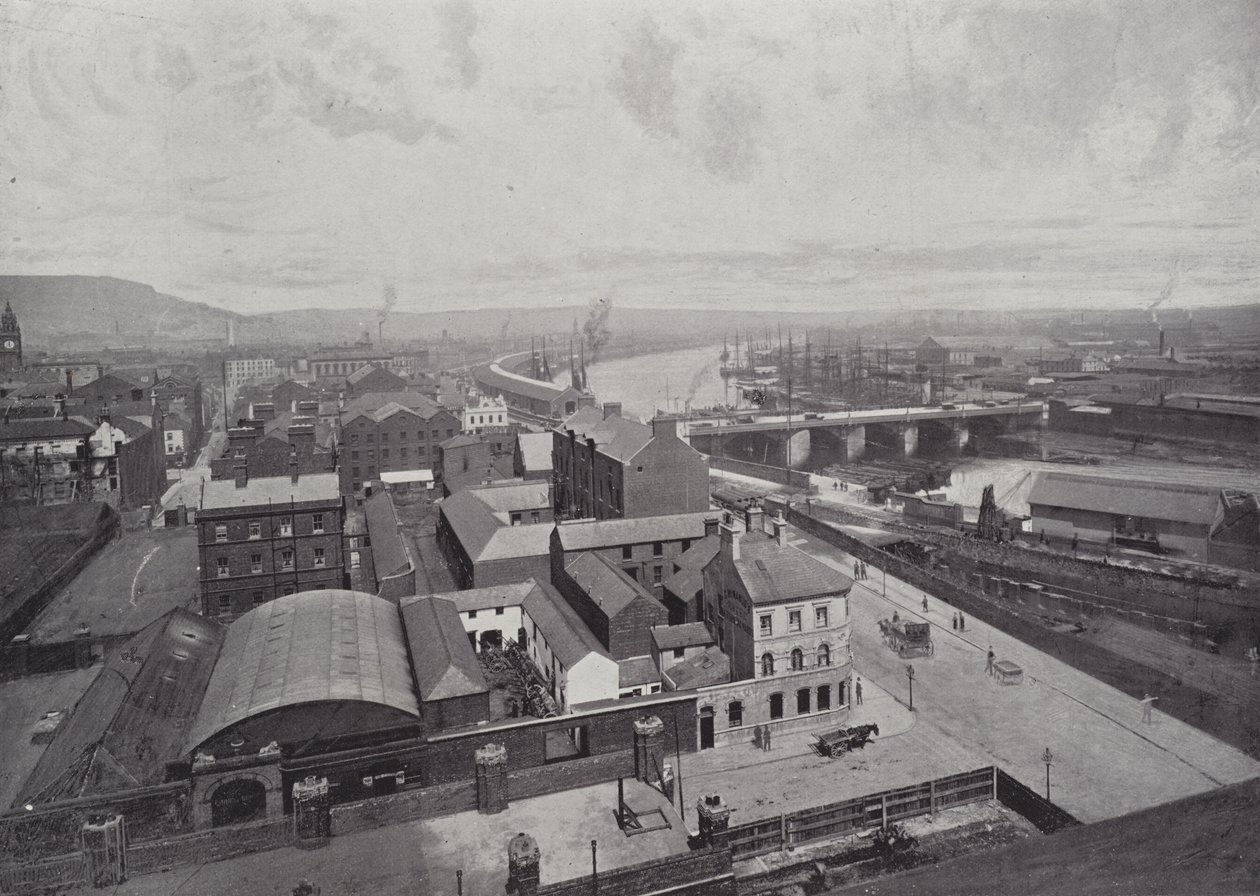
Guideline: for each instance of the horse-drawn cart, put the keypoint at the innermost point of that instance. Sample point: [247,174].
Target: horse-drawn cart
[907,638]
[842,740]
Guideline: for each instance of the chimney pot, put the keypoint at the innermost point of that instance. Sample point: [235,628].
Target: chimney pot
[754,518]
[611,409]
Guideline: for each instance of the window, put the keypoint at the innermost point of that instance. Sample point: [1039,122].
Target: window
[627,552]
[450,433]
[257,598]
[319,556]
[776,706]
[734,714]
[824,697]
[767,625]
[225,603]
[222,564]
[354,472]
[354,438]
[286,525]
[533,516]
[802,701]
[355,561]
[255,529]
[317,523]
[498,611]
[286,559]
[658,549]
[820,617]
[798,659]
[371,438]
[437,436]
[794,620]
[255,562]
[767,665]
[354,453]
[680,652]
[656,575]
[402,452]
[220,533]
[516,519]
[289,589]
[384,454]
[384,437]
[686,545]
[472,614]
[824,655]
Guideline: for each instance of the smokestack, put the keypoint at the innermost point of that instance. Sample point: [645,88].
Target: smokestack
[1161,342]
[293,469]
[69,381]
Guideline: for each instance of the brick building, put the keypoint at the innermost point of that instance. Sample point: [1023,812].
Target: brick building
[272,447]
[618,610]
[262,538]
[608,467]
[390,432]
[484,542]
[644,548]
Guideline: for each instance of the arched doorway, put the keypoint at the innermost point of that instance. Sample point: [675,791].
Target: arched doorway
[238,801]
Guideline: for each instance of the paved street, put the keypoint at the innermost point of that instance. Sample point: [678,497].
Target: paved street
[1106,761]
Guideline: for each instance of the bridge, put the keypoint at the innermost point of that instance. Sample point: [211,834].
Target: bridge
[899,429]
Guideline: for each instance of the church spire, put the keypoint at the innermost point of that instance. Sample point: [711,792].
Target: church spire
[8,320]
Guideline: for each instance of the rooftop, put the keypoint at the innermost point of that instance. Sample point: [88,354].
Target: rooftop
[567,635]
[487,537]
[614,435]
[773,573]
[375,405]
[709,667]
[491,597]
[308,647]
[223,494]
[514,494]
[609,588]
[588,535]
[536,450]
[1179,502]
[635,671]
[444,662]
[690,634]
[389,550]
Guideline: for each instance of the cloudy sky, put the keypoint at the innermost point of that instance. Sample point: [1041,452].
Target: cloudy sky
[475,153]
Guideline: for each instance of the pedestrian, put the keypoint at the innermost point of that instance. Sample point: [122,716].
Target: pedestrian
[1147,700]
[962,623]
[925,603]
[835,486]
[955,622]
[988,666]
[865,574]
[765,737]
[857,569]
[857,692]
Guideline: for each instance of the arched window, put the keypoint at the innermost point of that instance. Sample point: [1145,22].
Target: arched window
[798,659]
[734,714]
[824,655]
[767,664]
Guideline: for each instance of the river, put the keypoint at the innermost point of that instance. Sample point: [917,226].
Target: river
[672,379]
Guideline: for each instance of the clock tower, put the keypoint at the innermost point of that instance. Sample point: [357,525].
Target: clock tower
[10,341]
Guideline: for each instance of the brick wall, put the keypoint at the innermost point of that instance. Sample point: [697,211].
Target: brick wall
[675,479]
[797,478]
[426,802]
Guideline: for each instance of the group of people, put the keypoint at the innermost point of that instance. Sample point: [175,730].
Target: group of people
[859,571]
[960,624]
[839,486]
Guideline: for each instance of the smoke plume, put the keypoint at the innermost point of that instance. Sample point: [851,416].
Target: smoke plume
[595,330]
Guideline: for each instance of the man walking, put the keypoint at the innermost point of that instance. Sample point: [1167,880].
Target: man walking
[857,570]
[955,621]
[962,623]
[988,667]
[1147,700]
[857,692]
[925,604]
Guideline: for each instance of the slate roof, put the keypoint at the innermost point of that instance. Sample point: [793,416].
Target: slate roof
[689,634]
[697,557]
[608,587]
[484,536]
[223,493]
[389,550]
[371,403]
[445,664]
[135,715]
[308,647]
[710,667]
[488,598]
[614,436]
[367,370]
[567,635]
[1123,497]
[637,670]
[21,429]
[536,450]
[772,574]
[514,494]
[459,441]
[588,535]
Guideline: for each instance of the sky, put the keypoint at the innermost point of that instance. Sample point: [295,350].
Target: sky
[802,155]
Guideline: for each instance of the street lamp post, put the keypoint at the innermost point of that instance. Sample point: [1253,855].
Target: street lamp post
[1047,757]
[910,677]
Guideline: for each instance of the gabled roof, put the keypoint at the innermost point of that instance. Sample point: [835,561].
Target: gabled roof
[491,597]
[444,662]
[690,634]
[368,369]
[24,429]
[1123,497]
[589,535]
[535,450]
[710,667]
[308,647]
[567,635]
[614,435]
[460,441]
[484,536]
[370,403]
[514,495]
[135,715]
[608,587]
[637,670]
[772,573]
[389,550]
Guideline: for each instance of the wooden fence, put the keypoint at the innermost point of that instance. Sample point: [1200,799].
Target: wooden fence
[873,811]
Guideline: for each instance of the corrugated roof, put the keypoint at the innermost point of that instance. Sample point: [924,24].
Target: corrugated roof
[308,647]
[389,549]
[223,493]
[1181,502]
[607,586]
[445,663]
[772,574]
[567,635]
[638,670]
[135,716]
[689,634]
[589,535]
[704,669]
[536,450]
